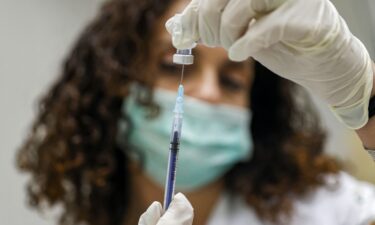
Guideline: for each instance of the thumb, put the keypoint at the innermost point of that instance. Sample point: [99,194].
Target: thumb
[180,212]
[265,6]
[152,214]
[260,35]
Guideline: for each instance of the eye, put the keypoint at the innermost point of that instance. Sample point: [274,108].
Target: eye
[232,84]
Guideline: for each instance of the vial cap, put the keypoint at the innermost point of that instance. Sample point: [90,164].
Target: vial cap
[183,59]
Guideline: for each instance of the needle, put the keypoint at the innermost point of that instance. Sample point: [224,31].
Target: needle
[182,73]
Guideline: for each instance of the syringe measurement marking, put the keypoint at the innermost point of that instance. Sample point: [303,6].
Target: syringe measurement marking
[172,168]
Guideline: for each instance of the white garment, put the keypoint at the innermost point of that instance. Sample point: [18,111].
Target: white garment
[343,201]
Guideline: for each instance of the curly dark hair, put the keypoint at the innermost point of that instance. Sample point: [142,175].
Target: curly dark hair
[72,154]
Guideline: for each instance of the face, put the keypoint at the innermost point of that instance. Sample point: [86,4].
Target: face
[212,78]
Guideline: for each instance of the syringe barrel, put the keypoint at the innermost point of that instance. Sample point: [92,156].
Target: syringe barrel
[172,161]
[176,126]
[174,148]
[171,173]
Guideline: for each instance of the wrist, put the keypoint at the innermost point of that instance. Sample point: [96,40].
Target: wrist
[367,132]
[355,115]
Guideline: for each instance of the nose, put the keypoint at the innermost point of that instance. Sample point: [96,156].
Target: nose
[206,86]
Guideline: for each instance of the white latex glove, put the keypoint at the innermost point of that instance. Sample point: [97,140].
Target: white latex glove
[180,212]
[305,41]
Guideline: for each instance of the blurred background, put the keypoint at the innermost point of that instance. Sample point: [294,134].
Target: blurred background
[35,35]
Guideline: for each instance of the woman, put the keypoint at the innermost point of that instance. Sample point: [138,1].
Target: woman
[98,144]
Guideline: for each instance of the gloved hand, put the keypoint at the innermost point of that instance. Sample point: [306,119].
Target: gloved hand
[180,212]
[305,41]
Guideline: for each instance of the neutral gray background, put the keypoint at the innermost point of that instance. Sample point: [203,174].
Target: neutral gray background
[35,35]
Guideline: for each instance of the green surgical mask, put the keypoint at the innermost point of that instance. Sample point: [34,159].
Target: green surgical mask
[213,139]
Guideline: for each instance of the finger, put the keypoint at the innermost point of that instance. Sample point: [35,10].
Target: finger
[256,38]
[235,20]
[285,24]
[152,214]
[180,212]
[184,27]
[210,13]
[264,32]
[264,6]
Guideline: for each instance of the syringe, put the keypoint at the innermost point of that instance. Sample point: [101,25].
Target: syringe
[174,148]
[183,57]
